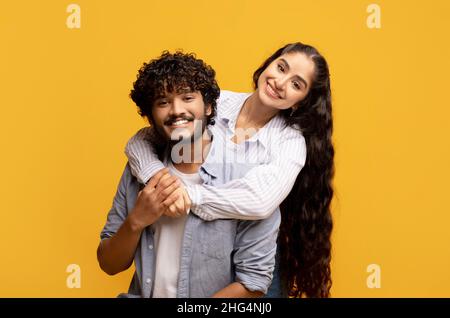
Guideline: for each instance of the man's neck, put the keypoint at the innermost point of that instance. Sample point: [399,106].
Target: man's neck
[199,149]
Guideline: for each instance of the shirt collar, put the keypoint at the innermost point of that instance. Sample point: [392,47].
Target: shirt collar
[272,128]
[231,111]
[232,107]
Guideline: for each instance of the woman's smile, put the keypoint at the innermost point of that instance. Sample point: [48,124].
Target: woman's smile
[271,92]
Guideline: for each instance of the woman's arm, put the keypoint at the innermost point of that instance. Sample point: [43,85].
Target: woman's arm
[253,197]
[258,193]
[144,162]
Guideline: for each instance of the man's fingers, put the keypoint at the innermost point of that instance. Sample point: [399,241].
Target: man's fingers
[171,199]
[164,183]
[163,194]
[157,177]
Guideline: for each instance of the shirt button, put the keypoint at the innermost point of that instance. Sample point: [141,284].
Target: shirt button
[150,247]
[148,280]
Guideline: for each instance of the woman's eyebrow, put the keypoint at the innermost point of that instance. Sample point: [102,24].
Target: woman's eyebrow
[301,79]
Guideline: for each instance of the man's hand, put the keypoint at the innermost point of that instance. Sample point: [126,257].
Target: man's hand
[149,204]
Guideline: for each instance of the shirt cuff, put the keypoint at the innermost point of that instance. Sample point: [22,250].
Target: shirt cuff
[254,284]
[149,171]
[195,195]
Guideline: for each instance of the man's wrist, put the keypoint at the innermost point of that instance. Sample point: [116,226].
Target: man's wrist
[134,225]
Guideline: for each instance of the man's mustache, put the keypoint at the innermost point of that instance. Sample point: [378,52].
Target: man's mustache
[173,119]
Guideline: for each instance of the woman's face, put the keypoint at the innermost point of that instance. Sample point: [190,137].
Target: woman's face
[286,80]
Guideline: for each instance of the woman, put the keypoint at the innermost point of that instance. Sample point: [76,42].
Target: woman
[289,111]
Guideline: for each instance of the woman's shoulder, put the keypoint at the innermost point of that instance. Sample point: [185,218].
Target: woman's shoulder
[293,131]
[229,100]
[230,96]
[289,133]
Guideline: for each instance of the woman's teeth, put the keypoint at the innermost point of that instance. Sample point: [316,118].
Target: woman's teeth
[271,91]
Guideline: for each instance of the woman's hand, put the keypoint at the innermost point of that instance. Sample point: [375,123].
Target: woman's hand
[178,203]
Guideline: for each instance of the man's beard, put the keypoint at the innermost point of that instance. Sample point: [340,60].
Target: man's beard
[199,129]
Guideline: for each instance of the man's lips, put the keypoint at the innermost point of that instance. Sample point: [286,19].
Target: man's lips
[179,122]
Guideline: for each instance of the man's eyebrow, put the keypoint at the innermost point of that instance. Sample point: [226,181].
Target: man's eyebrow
[159,96]
[185,90]
[301,79]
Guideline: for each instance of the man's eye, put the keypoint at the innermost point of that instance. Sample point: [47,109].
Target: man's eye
[280,67]
[188,98]
[162,102]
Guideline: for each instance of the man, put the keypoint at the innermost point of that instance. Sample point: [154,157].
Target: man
[184,256]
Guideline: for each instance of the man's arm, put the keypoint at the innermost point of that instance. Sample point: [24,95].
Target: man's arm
[254,258]
[116,250]
[115,254]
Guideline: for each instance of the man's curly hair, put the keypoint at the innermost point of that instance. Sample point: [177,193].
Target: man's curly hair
[174,73]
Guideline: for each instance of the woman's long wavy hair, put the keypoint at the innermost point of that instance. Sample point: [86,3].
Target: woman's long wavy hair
[305,231]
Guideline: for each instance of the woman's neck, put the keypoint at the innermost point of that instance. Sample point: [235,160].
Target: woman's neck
[254,114]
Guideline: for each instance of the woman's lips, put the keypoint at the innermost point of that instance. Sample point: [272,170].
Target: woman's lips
[271,92]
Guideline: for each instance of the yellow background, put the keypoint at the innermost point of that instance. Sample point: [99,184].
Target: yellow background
[66,116]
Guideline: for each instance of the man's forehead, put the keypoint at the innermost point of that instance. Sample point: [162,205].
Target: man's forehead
[166,91]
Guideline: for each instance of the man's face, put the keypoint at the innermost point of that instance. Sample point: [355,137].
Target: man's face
[180,116]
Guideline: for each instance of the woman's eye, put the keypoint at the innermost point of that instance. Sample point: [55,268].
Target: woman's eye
[296,85]
[280,67]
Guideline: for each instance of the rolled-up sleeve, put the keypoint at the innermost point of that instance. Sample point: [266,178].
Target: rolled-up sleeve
[255,249]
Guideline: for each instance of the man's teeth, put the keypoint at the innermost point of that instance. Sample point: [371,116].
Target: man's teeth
[179,122]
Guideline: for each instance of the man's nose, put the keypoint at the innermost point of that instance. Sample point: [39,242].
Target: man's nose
[177,108]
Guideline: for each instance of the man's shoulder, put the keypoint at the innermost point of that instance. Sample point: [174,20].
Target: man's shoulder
[128,180]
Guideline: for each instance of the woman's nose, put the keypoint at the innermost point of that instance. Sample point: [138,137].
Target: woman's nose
[279,84]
